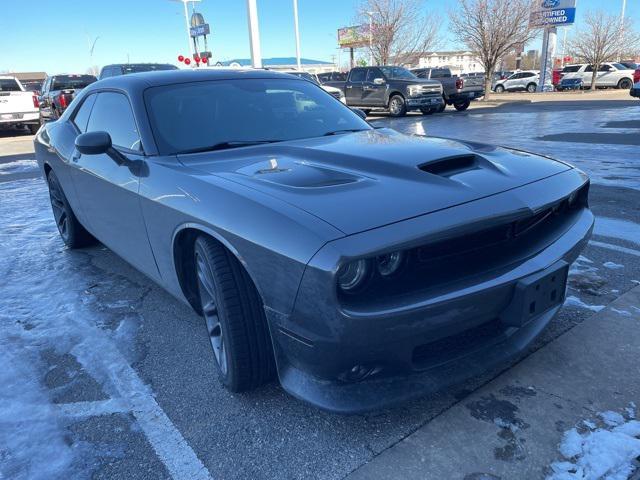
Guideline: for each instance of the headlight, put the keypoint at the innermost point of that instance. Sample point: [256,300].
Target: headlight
[354,275]
[414,90]
[390,263]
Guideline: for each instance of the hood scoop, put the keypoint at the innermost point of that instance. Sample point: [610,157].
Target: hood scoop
[446,167]
[297,174]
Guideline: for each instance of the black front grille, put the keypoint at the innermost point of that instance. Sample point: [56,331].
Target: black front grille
[461,258]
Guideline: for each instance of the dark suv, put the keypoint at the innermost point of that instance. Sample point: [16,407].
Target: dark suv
[392,88]
[126,68]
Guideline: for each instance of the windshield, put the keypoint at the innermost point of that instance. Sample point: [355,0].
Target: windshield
[69,83]
[191,116]
[151,67]
[306,76]
[398,73]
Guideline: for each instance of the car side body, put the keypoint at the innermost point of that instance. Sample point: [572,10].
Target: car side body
[478,228]
[524,80]
[609,75]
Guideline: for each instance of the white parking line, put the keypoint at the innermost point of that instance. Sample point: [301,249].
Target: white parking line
[617,248]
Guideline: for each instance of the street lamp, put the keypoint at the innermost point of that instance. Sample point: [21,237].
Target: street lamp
[254,34]
[186,19]
[371,37]
[295,24]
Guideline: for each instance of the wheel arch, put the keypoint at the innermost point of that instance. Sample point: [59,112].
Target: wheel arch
[394,93]
[182,248]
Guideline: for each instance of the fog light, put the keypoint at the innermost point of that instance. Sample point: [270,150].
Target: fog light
[390,263]
[358,373]
[353,276]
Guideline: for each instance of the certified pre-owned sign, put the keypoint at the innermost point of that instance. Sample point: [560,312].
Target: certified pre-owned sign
[548,13]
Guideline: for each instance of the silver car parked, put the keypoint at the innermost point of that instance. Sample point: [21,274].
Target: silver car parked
[525,80]
[614,75]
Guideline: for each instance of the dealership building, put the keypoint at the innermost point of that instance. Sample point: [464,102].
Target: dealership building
[459,61]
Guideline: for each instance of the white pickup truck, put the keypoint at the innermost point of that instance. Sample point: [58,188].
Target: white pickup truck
[17,106]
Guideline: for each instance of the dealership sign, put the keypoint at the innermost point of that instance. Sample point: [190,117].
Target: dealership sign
[552,13]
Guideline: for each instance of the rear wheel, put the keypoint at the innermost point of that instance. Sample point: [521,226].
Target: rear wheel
[235,318]
[625,84]
[397,106]
[72,233]
[532,87]
[33,129]
[462,106]
[499,89]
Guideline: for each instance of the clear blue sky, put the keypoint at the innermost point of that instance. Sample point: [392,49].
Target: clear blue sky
[51,36]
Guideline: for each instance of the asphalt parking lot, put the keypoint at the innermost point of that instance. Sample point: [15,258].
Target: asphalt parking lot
[107,376]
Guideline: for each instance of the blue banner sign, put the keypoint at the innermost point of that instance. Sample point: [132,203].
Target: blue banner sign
[200,30]
[552,13]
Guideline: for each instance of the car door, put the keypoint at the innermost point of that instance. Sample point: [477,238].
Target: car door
[108,191]
[353,88]
[373,94]
[513,82]
[606,76]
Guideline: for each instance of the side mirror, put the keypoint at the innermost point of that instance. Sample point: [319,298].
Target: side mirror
[378,81]
[93,143]
[360,113]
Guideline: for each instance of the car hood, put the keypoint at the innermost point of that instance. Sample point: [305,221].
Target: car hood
[367,179]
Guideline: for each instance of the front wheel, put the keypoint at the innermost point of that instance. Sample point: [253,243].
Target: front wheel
[625,84]
[462,106]
[397,106]
[499,89]
[72,233]
[532,87]
[234,316]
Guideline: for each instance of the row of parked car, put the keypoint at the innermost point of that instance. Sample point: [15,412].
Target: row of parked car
[574,77]
[398,90]
[20,106]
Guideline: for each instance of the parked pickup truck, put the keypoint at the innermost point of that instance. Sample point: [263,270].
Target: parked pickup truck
[392,88]
[457,91]
[57,93]
[17,106]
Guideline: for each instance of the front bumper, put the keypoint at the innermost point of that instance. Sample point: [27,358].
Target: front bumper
[406,350]
[432,101]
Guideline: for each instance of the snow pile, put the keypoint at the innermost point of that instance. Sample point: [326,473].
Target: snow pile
[608,453]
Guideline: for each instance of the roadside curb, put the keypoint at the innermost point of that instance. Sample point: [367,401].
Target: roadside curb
[511,427]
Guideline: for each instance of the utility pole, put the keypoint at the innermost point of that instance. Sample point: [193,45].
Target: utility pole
[295,24]
[624,8]
[370,38]
[92,46]
[254,34]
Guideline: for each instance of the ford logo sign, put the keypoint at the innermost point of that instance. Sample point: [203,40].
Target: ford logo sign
[550,3]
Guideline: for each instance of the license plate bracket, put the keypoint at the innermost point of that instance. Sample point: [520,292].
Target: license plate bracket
[536,294]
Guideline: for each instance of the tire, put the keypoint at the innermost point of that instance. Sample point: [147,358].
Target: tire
[235,318]
[427,111]
[397,106]
[73,234]
[442,107]
[499,89]
[625,84]
[532,87]
[462,106]
[33,129]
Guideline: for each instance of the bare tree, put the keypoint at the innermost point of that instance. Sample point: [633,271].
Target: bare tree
[491,29]
[401,28]
[602,38]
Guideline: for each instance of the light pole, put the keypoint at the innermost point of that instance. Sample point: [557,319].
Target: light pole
[622,13]
[295,24]
[92,46]
[254,34]
[370,37]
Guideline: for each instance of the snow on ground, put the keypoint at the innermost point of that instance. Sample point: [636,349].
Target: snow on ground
[19,166]
[38,312]
[607,449]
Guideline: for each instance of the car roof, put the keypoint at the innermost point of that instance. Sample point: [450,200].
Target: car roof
[138,64]
[144,80]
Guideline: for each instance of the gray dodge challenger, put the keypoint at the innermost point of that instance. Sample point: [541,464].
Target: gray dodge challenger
[362,266]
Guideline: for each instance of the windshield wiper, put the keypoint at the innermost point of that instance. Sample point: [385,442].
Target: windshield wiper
[227,145]
[346,130]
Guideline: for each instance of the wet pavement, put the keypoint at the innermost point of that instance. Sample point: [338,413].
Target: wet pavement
[107,376]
